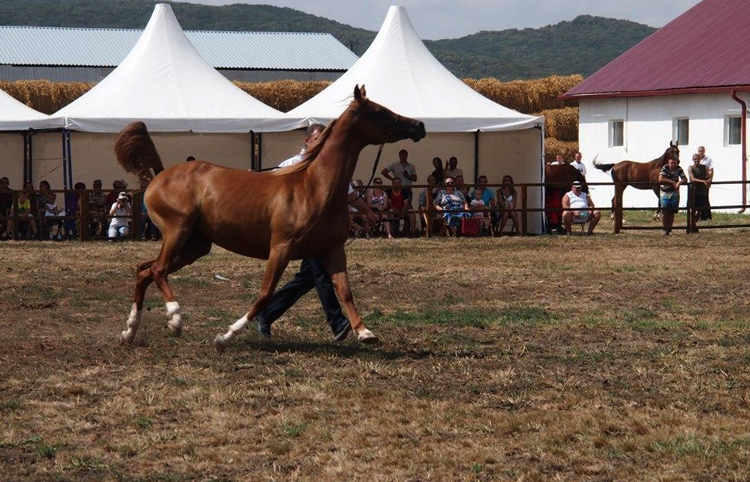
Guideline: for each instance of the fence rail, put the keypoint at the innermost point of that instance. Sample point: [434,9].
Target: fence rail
[84,217]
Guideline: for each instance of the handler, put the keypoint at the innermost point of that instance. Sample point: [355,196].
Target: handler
[312,273]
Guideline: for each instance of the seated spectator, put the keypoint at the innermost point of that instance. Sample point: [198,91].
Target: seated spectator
[41,200]
[462,187]
[558,160]
[358,222]
[52,214]
[553,211]
[448,200]
[377,200]
[506,198]
[479,208]
[119,226]
[72,208]
[26,226]
[97,210]
[583,209]
[489,199]
[400,207]
[117,186]
[6,206]
[432,188]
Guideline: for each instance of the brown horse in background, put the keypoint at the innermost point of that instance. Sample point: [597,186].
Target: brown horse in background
[640,175]
[562,176]
[292,213]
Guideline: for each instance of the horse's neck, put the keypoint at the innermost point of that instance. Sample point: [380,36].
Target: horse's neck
[334,167]
[660,161]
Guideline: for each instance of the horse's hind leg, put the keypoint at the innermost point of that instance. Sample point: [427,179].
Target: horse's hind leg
[143,280]
[278,259]
[657,214]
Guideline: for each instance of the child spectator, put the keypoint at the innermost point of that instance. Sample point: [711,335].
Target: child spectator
[72,208]
[26,226]
[477,204]
[507,198]
[52,213]
[119,226]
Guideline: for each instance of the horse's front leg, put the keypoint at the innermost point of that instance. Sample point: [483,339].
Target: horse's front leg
[278,259]
[335,263]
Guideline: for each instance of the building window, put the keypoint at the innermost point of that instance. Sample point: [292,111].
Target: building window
[734,131]
[616,133]
[681,131]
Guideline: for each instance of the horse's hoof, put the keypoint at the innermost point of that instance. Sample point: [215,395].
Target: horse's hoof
[367,337]
[221,343]
[125,338]
[175,328]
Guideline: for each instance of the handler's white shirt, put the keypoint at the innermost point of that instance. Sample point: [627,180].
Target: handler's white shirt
[297,159]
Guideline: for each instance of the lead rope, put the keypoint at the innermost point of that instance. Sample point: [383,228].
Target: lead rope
[374,170]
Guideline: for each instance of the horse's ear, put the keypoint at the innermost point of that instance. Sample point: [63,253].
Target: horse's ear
[672,144]
[364,92]
[357,93]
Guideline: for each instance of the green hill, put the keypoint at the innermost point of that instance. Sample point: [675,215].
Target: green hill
[579,46]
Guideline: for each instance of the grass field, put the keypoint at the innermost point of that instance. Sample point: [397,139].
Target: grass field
[608,358]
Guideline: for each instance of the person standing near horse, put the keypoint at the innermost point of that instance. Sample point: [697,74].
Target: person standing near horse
[578,164]
[699,180]
[709,163]
[671,177]
[312,273]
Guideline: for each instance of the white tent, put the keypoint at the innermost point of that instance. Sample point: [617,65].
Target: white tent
[400,73]
[167,84]
[16,116]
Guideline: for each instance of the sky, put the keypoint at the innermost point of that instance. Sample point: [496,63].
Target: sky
[439,19]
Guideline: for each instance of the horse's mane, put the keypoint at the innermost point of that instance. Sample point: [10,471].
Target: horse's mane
[310,155]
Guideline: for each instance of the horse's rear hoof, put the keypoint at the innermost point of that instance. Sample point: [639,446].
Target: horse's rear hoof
[367,337]
[125,338]
[221,343]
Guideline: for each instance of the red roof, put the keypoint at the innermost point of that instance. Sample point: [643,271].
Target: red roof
[706,49]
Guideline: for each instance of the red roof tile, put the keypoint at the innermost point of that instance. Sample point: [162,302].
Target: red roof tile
[705,48]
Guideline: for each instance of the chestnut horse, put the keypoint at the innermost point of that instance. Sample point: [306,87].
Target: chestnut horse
[562,176]
[292,213]
[640,175]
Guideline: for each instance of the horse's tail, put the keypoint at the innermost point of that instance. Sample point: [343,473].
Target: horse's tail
[602,167]
[136,152]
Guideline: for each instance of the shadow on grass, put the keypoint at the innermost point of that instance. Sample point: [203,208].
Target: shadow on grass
[344,350]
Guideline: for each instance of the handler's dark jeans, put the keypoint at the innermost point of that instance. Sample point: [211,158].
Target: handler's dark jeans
[311,275]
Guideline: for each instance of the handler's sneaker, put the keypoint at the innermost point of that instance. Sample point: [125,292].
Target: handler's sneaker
[264,327]
[343,330]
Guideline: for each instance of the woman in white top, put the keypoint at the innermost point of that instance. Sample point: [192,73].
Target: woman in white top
[119,226]
[377,200]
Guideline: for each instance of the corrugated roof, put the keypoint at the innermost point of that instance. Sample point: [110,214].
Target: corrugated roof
[704,48]
[223,50]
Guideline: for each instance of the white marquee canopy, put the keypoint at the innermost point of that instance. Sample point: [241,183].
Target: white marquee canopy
[167,84]
[16,116]
[400,73]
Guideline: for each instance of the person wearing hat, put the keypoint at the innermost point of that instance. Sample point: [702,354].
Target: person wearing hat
[119,226]
[582,209]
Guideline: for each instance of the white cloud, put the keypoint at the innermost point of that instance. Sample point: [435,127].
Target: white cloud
[436,19]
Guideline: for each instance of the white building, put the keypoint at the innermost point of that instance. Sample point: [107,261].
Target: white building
[686,82]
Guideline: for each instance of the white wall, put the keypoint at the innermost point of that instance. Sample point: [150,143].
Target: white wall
[517,153]
[94,156]
[648,131]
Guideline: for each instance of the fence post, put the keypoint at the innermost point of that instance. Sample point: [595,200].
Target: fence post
[524,213]
[84,216]
[690,208]
[618,207]
[430,212]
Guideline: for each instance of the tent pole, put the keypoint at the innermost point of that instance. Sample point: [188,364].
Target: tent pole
[64,161]
[476,157]
[26,175]
[70,160]
[31,156]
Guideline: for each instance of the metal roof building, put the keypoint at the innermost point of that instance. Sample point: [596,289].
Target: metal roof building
[88,54]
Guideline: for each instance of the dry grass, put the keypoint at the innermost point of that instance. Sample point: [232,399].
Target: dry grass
[536,359]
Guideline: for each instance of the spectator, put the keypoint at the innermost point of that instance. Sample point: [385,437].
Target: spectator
[671,178]
[448,200]
[28,188]
[506,198]
[111,198]
[559,160]
[400,207]
[52,212]
[578,164]
[403,170]
[119,226]
[377,200]
[26,226]
[699,178]
[72,208]
[357,220]
[41,200]
[479,208]
[451,169]
[189,159]
[97,210]
[437,173]
[583,207]
[709,163]
[432,191]
[6,206]
[487,196]
[462,187]
[148,229]
[553,210]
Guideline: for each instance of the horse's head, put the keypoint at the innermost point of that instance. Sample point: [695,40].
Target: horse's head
[673,152]
[380,124]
